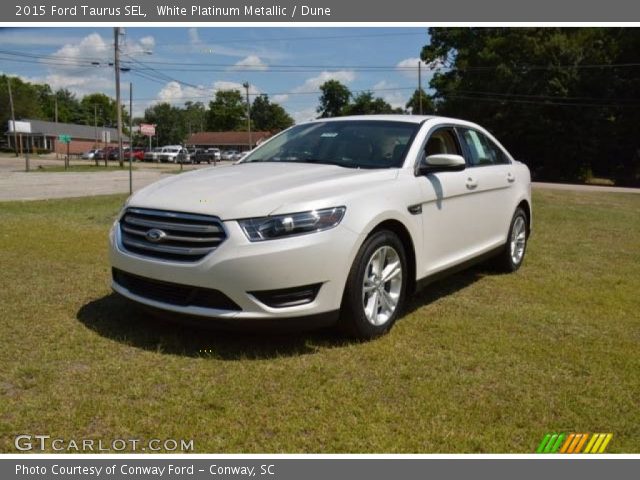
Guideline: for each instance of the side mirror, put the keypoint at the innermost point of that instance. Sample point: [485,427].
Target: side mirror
[441,162]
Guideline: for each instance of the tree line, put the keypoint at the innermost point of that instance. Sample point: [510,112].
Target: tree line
[566,101]
[39,102]
[226,112]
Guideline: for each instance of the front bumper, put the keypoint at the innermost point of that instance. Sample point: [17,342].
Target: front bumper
[238,267]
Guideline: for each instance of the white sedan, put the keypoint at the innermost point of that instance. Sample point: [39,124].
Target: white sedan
[336,220]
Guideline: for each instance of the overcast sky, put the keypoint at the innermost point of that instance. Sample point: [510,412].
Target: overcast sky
[181,64]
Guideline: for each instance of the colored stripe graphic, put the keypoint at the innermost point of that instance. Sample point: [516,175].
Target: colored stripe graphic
[574,443]
[606,441]
[581,443]
[567,443]
[590,444]
[543,443]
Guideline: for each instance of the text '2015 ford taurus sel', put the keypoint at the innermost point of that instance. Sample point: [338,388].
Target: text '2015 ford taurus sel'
[336,220]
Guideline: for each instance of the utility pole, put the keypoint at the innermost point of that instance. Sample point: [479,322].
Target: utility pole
[246,87]
[130,136]
[420,85]
[95,130]
[13,116]
[55,117]
[116,64]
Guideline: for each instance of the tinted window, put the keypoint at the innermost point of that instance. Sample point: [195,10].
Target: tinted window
[482,150]
[354,144]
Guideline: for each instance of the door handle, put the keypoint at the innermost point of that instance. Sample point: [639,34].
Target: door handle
[471,183]
[510,177]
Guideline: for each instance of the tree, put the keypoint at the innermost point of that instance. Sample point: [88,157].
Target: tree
[365,104]
[537,90]
[170,129]
[194,115]
[69,110]
[102,105]
[413,105]
[335,97]
[269,117]
[227,112]
[25,100]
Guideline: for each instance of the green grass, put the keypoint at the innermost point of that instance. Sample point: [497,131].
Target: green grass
[82,168]
[481,363]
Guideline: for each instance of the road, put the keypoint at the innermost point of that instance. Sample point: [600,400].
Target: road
[15,184]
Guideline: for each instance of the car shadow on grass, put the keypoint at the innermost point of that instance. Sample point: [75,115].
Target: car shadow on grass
[117,318]
[448,286]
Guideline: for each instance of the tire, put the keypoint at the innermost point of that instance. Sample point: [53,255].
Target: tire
[512,256]
[367,306]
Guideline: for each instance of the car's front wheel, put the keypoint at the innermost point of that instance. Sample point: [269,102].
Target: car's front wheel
[376,287]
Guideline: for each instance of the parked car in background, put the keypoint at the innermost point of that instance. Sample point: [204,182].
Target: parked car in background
[183,156]
[336,220]
[207,156]
[138,153]
[236,155]
[169,153]
[153,155]
[227,155]
[90,154]
[108,153]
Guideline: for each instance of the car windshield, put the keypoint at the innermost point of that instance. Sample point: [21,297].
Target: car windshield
[346,143]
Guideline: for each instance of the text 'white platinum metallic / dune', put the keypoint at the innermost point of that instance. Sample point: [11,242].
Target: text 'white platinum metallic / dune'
[335,220]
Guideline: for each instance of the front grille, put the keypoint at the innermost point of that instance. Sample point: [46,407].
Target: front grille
[182,237]
[173,293]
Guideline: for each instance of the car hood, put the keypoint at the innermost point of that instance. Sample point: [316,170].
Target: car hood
[258,189]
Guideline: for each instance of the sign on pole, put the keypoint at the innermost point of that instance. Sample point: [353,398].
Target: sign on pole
[148,129]
[19,127]
[64,138]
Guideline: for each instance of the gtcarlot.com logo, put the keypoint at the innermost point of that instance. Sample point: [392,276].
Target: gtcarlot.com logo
[574,443]
[26,442]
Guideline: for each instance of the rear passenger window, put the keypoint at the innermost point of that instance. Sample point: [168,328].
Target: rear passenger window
[482,150]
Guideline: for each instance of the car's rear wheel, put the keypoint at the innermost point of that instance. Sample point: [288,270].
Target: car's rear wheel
[376,287]
[512,256]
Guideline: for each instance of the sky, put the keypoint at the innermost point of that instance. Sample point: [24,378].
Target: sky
[175,65]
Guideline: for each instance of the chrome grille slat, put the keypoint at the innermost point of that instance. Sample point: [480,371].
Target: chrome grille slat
[172,226]
[169,237]
[165,248]
[185,237]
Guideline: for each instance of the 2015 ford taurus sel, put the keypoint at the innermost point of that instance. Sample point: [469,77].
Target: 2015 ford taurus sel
[336,220]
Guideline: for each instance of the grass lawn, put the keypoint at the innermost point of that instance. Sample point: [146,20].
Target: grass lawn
[481,363]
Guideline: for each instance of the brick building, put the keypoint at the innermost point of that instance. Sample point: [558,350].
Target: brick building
[43,135]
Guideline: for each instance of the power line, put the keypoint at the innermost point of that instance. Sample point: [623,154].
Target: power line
[203,43]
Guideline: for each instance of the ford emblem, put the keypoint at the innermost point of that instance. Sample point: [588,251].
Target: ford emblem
[155,235]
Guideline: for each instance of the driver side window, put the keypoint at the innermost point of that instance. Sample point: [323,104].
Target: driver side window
[443,140]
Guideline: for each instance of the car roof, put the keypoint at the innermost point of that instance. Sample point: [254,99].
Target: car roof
[396,118]
[381,118]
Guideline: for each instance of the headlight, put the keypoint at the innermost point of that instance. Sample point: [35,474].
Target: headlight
[278,226]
